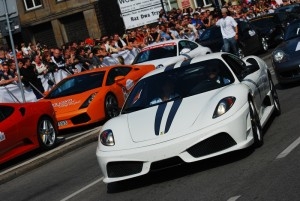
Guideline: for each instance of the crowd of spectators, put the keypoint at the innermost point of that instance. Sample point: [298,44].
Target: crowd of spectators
[36,60]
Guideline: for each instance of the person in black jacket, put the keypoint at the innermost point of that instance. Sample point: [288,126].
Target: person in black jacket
[30,78]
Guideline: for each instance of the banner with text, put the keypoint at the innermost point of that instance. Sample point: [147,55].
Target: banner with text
[136,13]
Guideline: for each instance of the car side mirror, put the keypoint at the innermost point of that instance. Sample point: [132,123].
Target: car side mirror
[251,32]
[185,51]
[119,79]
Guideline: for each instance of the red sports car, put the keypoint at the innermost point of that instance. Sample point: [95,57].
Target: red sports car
[26,126]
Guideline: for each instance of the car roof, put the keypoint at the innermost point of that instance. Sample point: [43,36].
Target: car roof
[107,68]
[164,42]
[287,8]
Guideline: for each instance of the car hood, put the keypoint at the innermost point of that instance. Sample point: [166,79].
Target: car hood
[171,119]
[290,47]
[69,103]
[164,61]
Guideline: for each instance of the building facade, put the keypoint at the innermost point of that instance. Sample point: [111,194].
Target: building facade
[56,22]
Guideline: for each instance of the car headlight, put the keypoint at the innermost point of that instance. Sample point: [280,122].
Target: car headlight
[107,138]
[279,56]
[88,101]
[223,106]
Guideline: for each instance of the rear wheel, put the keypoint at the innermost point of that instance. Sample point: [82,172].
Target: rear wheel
[111,106]
[46,133]
[256,126]
[275,98]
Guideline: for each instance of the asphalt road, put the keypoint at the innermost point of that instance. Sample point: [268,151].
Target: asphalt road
[269,173]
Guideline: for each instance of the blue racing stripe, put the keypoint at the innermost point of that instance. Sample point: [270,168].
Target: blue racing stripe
[158,117]
[172,114]
[170,67]
[186,62]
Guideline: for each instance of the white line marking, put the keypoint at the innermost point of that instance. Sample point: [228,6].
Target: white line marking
[234,198]
[82,189]
[289,149]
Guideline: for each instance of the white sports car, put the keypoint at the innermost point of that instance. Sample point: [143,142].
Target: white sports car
[169,52]
[186,112]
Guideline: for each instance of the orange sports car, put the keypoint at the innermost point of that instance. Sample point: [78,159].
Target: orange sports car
[93,95]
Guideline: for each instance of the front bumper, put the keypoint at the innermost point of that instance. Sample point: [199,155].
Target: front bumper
[287,72]
[231,134]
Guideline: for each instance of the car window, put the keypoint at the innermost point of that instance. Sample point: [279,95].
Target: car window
[154,53]
[265,21]
[198,78]
[5,111]
[77,84]
[114,72]
[183,44]
[192,45]
[236,64]
[293,30]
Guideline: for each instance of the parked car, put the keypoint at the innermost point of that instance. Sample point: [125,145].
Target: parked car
[25,127]
[169,52]
[217,103]
[249,41]
[294,7]
[91,96]
[286,56]
[272,25]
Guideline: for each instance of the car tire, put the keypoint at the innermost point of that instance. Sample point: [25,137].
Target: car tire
[255,125]
[111,106]
[275,98]
[264,44]
[47,134]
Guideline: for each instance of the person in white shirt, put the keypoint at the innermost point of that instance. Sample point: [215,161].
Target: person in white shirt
[229,30]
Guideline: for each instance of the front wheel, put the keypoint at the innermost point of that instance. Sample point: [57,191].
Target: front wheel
[46,133]
[111,106]
[256,126]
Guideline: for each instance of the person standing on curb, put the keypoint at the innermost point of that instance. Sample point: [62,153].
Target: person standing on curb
[229,30]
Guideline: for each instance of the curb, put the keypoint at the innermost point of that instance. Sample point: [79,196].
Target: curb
[48,156]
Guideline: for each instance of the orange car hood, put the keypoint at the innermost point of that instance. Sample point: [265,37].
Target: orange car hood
[69,103]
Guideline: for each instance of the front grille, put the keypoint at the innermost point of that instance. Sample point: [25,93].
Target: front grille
[170,162]
[290,74]
[124,168]
[79,119]
[211,145]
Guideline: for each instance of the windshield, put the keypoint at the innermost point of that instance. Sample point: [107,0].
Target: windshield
[293,30]
[211,34]
[77,84]
[264,22]
[178,83]
[156,52]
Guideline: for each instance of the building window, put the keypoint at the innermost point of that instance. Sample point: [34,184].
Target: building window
[32,4]
[203,3]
